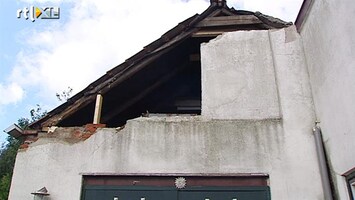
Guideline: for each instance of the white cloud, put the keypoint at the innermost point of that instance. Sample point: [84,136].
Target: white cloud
[100,34]
[11,93]
[45,1]
[284,9]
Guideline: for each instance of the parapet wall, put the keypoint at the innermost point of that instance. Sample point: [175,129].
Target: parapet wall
[157,145]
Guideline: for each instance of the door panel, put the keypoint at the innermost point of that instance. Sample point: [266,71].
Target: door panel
[161,187]
[157,193]
[111,194]
[223,195]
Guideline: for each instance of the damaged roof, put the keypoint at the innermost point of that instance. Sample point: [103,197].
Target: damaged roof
[215,20]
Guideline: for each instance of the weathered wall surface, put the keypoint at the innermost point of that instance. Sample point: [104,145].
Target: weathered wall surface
[271,131]
[328,38]
[172,145]
[279,58]
[152,145]
[238,79]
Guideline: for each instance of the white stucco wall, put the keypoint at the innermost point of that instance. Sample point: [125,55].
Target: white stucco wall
[283,59]
[277,139]
[238,77]
[329,43]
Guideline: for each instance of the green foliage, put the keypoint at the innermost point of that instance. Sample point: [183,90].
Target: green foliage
[5,183]
[8,152]
[23,123]
[37,113]
[9,149]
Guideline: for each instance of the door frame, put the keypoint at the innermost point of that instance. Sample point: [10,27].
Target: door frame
[257,182]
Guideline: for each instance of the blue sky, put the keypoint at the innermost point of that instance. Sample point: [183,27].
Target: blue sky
[38,59]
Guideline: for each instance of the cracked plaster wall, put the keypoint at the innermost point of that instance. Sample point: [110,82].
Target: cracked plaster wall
[269,129]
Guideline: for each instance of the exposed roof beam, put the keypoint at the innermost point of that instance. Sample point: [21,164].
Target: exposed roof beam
[55,119]
[229,20]
[98,107]
[142,94]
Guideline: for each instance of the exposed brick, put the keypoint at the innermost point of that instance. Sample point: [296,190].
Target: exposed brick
[32,139]
[91,128]
[86,136]
[24,146]
[77,134]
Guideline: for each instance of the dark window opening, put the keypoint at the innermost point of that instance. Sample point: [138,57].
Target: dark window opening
[171,84]
[350,179]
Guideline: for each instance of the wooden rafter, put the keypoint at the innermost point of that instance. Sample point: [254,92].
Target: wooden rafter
[142,94]
[228,20]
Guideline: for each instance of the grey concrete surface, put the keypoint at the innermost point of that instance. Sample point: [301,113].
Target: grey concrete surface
[329,44]
[238,79]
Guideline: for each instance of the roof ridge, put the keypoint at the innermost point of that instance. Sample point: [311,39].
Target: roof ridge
[220,3]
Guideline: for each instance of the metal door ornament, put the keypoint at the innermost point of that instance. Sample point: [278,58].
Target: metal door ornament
[180,182]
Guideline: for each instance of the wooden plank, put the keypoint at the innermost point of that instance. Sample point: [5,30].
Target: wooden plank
[208,33]
[57,118]
[178,174]
[98,108]
[228,20]
[200,180]
[234,17]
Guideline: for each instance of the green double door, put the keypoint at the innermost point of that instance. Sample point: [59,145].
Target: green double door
[171,193]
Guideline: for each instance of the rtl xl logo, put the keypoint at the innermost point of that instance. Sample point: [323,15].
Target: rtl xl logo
[36,12]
